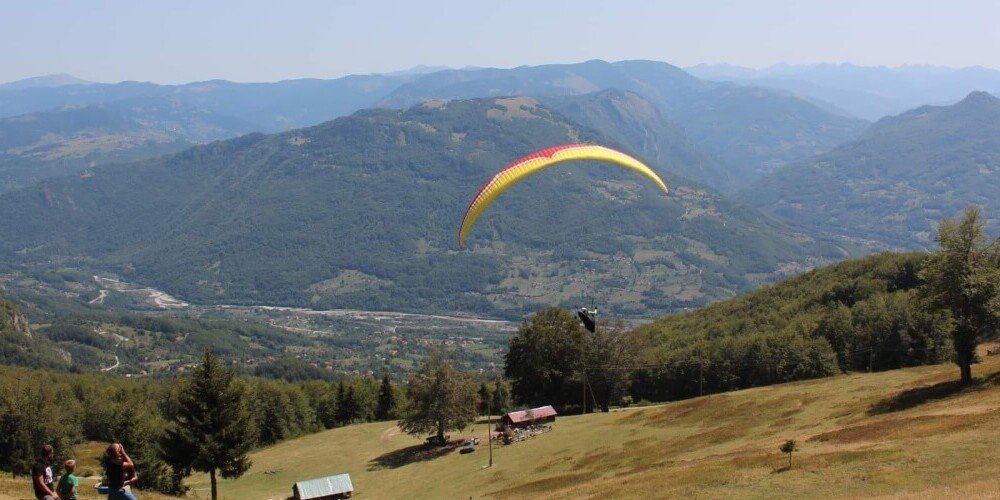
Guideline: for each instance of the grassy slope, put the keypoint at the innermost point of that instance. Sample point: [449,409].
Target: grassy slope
[902,433]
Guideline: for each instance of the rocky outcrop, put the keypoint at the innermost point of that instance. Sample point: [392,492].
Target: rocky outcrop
[12,320]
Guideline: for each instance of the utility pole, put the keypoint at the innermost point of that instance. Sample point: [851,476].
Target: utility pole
[489,428]
[701,377]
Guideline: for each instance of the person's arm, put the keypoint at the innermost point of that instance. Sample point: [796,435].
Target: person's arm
[128,464]
[40,484]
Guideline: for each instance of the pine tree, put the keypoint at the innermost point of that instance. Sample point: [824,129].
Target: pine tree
[501,398]
[347,404]
[341,403]
[213,429]
[386,400]
[485,399]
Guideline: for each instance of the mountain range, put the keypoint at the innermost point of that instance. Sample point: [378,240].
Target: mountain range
[748,130]
[752,129]
[361,212]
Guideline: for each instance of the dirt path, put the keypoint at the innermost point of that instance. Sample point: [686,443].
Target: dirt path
[112,367]
[100,298]
[389,433]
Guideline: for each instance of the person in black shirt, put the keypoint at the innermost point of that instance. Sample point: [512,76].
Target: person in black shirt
[41,475]
[120,471]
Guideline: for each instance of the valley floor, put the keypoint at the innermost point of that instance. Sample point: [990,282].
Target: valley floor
[909,433]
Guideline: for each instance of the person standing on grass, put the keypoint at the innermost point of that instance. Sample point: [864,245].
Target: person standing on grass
[68,483]
[41,474]
[120,471]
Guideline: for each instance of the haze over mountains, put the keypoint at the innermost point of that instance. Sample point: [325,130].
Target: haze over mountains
[895,183]
[868,92]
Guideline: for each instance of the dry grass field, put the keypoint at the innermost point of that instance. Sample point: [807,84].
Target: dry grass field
[909,433]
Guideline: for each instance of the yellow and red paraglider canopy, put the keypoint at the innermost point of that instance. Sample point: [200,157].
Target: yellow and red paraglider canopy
[535,162]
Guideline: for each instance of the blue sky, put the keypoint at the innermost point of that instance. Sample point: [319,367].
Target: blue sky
[250,40]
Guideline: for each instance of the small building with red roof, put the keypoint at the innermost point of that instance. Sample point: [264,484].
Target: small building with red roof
[534,416]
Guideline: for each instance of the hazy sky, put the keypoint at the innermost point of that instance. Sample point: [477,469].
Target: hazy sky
[250,40]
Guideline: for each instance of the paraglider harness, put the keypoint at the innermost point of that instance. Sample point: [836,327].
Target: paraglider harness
[588,317]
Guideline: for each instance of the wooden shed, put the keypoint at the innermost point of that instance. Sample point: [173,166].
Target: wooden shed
[534,416]
[321,488]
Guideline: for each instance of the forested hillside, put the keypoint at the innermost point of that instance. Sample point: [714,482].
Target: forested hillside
[891,186]
[312,217]
[858,315]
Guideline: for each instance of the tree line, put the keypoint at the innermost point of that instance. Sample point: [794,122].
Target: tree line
[38,406]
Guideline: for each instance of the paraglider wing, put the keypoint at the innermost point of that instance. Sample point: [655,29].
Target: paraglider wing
[535,162]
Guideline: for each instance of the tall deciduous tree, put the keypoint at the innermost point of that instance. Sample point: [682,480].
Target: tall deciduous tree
[964,278]
[27,422]
[441,398]
[213,429]
[545,358]
[612,352]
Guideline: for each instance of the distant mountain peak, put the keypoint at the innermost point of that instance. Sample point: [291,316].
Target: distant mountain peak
[420,69]
[979,98]
[44,81]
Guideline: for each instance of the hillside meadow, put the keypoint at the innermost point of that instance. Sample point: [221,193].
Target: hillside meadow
[910,433]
